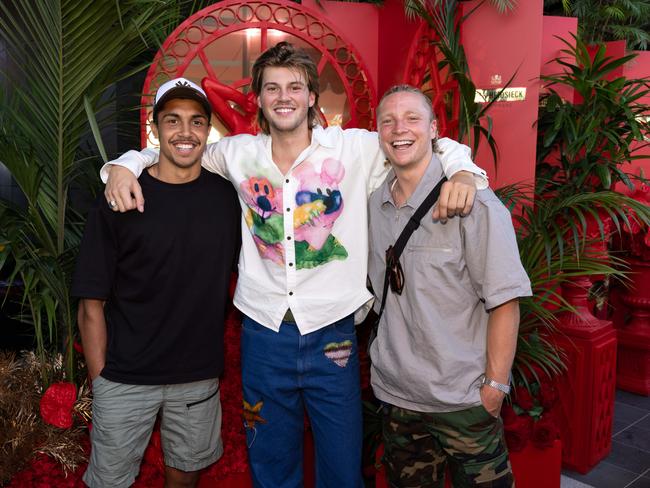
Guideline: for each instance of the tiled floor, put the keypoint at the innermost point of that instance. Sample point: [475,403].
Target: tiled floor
[628,465]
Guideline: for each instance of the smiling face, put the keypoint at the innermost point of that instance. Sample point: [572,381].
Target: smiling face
[182,129]
[406,129]
[285,99]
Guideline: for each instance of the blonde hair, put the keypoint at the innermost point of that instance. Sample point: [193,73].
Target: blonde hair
[426,102]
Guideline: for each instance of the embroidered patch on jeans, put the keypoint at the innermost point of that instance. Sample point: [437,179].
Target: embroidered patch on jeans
[252,414]
[339,352]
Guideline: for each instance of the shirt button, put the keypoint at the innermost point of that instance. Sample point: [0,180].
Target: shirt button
[288,209]
[287,180]
[288,238]
[290,293]
[290,264]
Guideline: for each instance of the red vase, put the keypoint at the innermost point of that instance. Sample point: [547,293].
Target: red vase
[633,370]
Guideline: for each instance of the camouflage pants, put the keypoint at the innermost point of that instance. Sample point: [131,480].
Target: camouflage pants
[418,447]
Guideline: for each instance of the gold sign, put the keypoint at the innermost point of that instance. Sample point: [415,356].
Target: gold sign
[509,94]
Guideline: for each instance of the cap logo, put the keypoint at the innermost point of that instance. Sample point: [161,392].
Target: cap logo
[183,83]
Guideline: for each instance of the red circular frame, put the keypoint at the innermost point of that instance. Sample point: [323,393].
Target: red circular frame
[190,38]
[422,61]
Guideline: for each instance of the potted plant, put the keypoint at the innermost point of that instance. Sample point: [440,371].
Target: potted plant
[584,144]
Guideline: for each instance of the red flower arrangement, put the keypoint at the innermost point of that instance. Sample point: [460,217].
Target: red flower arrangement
[57,404]
[530,415]
[57,408]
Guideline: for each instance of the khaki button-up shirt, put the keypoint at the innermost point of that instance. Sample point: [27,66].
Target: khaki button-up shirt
[430,351]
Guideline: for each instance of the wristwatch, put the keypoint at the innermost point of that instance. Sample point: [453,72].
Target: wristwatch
[494,384]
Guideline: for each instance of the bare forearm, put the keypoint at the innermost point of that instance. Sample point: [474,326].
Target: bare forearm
[503,326]
[92,326]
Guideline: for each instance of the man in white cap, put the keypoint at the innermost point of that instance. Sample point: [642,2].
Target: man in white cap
[154,289]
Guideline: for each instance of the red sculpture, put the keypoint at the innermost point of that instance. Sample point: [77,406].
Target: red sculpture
[235,109]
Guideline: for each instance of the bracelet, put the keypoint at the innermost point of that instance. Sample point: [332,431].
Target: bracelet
[494,384]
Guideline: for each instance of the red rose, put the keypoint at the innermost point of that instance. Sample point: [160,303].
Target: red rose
[518,432]
[523,398]
[57,403]
[545,432]
[547,395]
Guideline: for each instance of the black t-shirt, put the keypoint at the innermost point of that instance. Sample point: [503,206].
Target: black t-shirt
[164,275]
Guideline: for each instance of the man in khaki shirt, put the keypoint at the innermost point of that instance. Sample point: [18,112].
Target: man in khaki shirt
[445,345]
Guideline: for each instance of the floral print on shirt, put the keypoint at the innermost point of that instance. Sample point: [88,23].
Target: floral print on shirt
[318,203]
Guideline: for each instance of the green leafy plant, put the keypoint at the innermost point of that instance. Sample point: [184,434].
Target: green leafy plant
[555,247]
[415,6]
[474,123]
[583,144]
[611,20]
[65,55]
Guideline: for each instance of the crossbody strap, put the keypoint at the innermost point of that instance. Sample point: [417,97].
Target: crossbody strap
[410,227]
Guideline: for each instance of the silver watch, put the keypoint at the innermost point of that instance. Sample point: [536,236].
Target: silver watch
[494,384]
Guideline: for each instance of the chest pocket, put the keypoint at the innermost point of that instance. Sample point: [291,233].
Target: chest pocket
[430,245]
[416,255]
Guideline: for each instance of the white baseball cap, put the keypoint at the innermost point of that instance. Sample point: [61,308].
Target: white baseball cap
[180,88]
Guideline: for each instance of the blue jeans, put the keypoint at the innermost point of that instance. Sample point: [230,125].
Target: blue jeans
[284,374]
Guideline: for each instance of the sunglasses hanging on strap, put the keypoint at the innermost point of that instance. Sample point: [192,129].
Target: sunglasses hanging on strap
[394,275]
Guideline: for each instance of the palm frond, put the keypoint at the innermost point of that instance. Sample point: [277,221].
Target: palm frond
[66,54]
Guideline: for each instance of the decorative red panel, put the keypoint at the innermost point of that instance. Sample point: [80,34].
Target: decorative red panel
[184,52]
[422,72]
[587,394]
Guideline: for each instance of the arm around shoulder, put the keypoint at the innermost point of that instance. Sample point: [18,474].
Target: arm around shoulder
[123,192]
[456,157]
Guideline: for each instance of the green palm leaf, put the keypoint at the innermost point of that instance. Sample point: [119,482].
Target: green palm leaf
[66,54]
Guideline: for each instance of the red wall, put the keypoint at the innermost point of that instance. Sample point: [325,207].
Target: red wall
[505,44]
[639,67]
[395,37]
[356,23]
[552,28]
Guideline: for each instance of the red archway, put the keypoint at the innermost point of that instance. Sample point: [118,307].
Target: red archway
[190,51]
[422,71]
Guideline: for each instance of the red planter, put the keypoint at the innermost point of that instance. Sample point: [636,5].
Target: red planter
[587,388]
[633,369]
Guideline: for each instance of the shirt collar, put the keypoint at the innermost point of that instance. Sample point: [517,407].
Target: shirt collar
[431,177]
[323,137]
[386,196]
[318,135]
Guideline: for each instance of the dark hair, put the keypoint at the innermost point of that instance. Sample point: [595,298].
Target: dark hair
[286,55]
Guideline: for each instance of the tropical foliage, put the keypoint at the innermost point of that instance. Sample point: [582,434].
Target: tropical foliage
[442,16]
[64,55]
[414,7]
[583,144]
[607,20]
[555,242]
